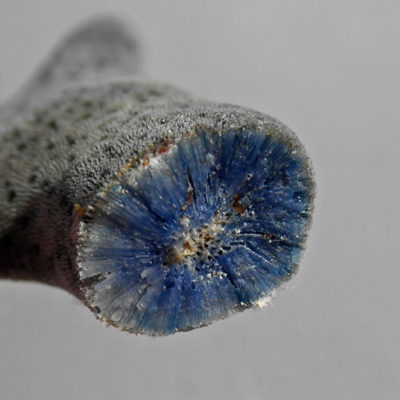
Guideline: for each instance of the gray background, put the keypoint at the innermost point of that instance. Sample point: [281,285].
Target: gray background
[330,70]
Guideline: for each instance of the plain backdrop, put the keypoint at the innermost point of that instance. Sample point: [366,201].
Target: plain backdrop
[329,70]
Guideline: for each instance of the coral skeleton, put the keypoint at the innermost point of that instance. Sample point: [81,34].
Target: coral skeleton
[160,211]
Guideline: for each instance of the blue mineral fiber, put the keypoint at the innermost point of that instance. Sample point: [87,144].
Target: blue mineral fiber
[160,211]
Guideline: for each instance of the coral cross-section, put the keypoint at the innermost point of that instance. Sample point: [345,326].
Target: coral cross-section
[201,229]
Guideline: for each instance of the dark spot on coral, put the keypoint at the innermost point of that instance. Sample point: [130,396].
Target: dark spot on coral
[230,278]
[87,218]
[171,257]
[140,97]
[50,145]
[16,132]
[236,205]
[268,236]
[52,124]
[104,174]
[285,179]
[11,195]
[170,285]
[70,140]
[21,146]
[89,282]
[87,103]
[298,194]
[155,92]
[85,115]
[32,178]
[241,306]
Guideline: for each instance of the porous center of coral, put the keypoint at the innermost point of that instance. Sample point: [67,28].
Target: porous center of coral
[196,244]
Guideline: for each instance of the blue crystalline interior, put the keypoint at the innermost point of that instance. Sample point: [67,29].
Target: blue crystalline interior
[206,229]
